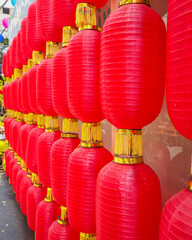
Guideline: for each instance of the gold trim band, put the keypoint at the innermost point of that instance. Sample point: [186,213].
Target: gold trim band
[92,145]
[130,160]
[90,27]
[69,135]
[124,2]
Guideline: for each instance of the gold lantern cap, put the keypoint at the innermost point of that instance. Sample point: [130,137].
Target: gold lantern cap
[51,49]
[37,57]
[88,236]
[125,2]
[49,197]
[70,128]
[68,33]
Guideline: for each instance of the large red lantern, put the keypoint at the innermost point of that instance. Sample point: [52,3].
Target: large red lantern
[133,79]
[26,50]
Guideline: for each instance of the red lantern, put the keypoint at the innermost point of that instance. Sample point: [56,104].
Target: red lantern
[128,190]
[47,212]
[61,230]
[7,151]
[7,123]
[25,94]
[63,12]
[45,143]
[48,30]
[31,151]
[12,163]
[9,157]
[26,183]
[44,97]
[60,153]
[15,171]
[24,134]
[83,53]
[24,46]
[136,100]
[21,174]
[33,39]
[98,4]
[5,95]
[20,57]
[176,217]
[178,66]
[32,80]
[83,168]
[35,195]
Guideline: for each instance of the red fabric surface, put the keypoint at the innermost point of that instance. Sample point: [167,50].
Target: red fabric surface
[15,171]
[176,218]
[26,50]
[83,62]
[21,174]
[32,89]
[43,90]
[31,152]
[62,232]
[5,95]
[9,157]
[33,39]
[34,196]
[133,66]
[25,93]
[26,183]
[46,214]
[128,202]
[63,12]
[45,143]
[60,153]
[24,134]
[84,165]
[179,66]
[59,84]
[12,163]
[47,28]
[21,58]
[15,134]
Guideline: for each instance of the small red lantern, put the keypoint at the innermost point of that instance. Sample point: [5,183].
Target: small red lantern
[15,170]
[61,230]
[24,46]
[12,163]
[35,195]
[9,157]
[26,183]
[21,174]
[47,212]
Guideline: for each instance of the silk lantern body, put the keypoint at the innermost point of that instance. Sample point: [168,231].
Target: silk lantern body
[130,196]
[9,157]
[12,163]
[45,143]
[21,174]
[15,131]
[130,91]
[83,53]
[32,81]
[47,28]
[84,165]
[15,172]
[47,213]
[62,232]
[33,39]
[31,152]
[60,153]
[25,93]
[26,183]
[24,134]
[59,84]
[63,12]
[176,217]
[35,195]
[26,50]
[44,95]
[179,71]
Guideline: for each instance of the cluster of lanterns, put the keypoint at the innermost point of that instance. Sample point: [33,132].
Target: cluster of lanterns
[71,188]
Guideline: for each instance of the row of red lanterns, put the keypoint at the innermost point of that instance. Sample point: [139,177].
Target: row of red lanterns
[119,75]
